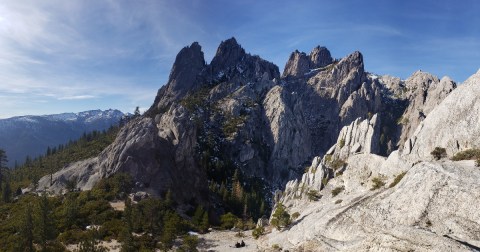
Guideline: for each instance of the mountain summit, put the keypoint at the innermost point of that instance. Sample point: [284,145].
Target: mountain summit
[235,131]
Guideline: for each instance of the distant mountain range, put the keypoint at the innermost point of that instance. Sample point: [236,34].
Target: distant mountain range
[31,135]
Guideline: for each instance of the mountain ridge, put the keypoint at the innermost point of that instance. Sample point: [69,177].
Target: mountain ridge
[238,114]
[30,135]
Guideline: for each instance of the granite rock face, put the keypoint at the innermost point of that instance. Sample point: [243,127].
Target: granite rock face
[424,92]
[154,164]
[403,202]
[453,124]
[237,113]
[360,137]
[299,63]
[431,208]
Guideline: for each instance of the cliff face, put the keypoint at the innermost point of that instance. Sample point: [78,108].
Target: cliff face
[237,113]
[407,201]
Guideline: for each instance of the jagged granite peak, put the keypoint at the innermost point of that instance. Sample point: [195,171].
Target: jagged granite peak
[238,117]
[320,57]
[431,205]
[453,124]
[231,62]
[424,92]
[229,52]
[297,65]
[361,136]
[188,64]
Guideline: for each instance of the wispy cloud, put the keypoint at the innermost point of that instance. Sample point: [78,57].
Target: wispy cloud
[77,97]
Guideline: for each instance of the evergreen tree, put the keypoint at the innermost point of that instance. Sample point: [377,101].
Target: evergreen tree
[197,216]
[205,224]
[7,192]
[71,211]
[91,243]
[3,164]
[126,236]
[169,199]
[136,113]
[280,218]
[45,226]
[26,230]
[172,225]
[152,213]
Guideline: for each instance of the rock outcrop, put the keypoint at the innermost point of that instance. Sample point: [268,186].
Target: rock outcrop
[360,137]
[419,213]
[154,164]
[183,76]
[453,124]
[424,92]
[299,63]
[403,202]
[236,115]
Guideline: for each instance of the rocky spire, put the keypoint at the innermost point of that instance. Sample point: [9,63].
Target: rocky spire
[183,76]
[299,63]
[320,57]
[188,63]
[229,52]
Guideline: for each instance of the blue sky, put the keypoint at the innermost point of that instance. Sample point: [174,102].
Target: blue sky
[70,56]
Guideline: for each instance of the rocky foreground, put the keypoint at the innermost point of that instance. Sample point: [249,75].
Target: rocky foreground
[406,202]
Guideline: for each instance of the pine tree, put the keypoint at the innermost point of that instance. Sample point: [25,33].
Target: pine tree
[169,199]
[172,224]
[7,192]
[205,224]
[136,113]
[3,164]
[91,244]
[45,226]
[26,230]
[197,216]
[280,218]
[127,237]
[71,211]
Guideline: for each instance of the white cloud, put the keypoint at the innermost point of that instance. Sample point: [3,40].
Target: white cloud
[77,97]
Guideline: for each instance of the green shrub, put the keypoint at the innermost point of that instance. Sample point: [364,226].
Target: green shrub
[439,153]
[190,243]
[280,218]
[338,201]
[467,155]
[231,124]
[228,220]
[295,215]
[325,181]
[337,190]
[377,183]
[397,179]
[477,162]
[338,164]
[257,232]
[313,195]
[72,236]
[341,143]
